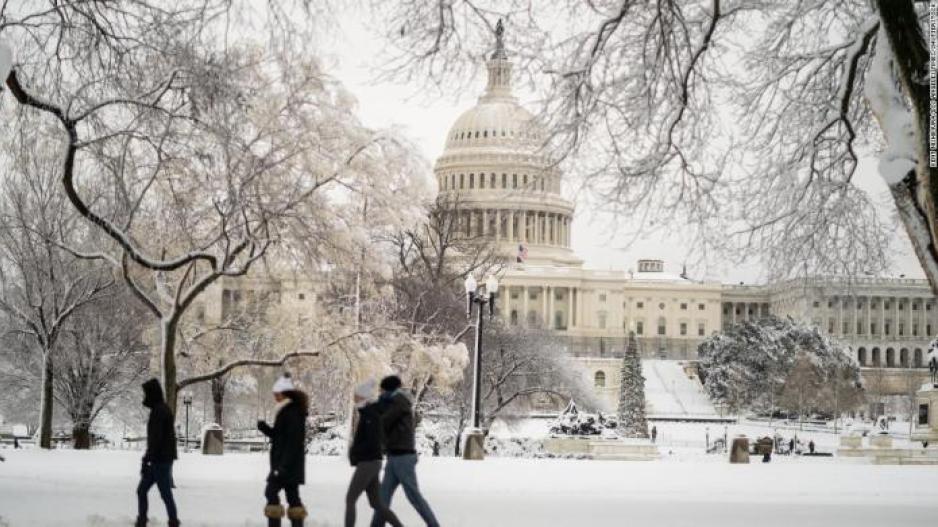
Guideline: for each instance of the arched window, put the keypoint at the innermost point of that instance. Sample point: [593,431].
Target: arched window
[599,380]
[904,358]
[861,356]
[662,326]
[890,358]
[514,317]
[917,358]
[877,360]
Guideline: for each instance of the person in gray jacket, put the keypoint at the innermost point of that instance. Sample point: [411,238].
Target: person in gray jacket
[397,425]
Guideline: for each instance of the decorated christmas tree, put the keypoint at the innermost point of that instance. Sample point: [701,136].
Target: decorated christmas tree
[632,394]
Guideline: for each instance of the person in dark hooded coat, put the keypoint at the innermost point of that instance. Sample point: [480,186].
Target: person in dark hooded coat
[157,464]
[287,453]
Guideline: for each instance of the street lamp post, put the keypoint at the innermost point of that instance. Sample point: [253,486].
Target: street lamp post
[187,401]
[480,297]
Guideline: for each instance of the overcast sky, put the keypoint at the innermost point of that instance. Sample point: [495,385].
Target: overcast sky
[352,51]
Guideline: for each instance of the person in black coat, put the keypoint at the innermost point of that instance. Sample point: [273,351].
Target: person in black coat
[287,453]
[157,465]
[398,428]
[365,455]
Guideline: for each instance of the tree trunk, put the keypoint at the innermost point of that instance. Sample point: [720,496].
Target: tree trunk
[916,194]
[81,425]
[218,400]
[168,359]
[81,435]
[45,403]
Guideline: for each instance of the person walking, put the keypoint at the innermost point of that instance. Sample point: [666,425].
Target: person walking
[654,434]
[365,455]
[157,464]
[397,425]
[811,446]
[287,453]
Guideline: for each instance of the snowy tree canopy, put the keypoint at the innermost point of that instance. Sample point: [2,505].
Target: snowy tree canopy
[748,364]
[746,119]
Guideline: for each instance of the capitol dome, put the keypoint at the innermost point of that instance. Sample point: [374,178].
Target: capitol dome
[493,166]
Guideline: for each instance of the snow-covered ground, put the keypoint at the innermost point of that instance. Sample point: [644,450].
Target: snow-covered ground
[670,392]
[97,489]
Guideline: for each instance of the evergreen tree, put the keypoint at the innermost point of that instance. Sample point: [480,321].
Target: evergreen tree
[632,394]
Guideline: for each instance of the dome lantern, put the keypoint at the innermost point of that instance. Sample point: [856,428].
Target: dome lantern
[499,68]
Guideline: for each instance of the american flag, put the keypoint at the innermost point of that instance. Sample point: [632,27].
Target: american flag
[522,253]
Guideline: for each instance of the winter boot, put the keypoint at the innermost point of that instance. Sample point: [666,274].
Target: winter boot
[296,515]
[141,522]
[274,513]
[173,523]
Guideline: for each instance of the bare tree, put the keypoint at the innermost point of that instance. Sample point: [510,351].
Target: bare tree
[522,369]
[213,150]
[802,387]
[41,286]
[433,259]
[715,116]
[103,354]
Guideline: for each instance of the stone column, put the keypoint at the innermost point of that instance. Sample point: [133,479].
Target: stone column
[563,230]
[542,231]
[485,222]
[498,225]
[869,316]
[524,304]
[524,226]
[895,316]
[544,317]
[550,229]
[923,322]
[511,225]
[552,238]
[882,317]
[507,314]
[908,305]
[550,309]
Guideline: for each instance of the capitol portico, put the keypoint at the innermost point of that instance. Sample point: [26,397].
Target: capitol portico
[510,192]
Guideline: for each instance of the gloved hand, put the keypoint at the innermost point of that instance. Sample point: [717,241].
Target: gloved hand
[263,426]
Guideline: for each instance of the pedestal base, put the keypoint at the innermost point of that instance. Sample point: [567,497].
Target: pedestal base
[473,445]
[926,419]
[213,442]
[739,452]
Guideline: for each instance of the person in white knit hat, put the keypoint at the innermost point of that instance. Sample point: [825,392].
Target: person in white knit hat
[365,455]
[287,453]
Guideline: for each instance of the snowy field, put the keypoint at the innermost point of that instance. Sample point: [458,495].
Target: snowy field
[97,489]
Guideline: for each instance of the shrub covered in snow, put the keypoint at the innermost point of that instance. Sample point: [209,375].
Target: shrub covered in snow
[747,365]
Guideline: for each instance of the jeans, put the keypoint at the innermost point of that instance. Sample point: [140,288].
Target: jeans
[292,490]
[366,479]
[402,470]
[159,474]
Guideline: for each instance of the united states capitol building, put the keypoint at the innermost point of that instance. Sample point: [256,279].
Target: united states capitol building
[507,190]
